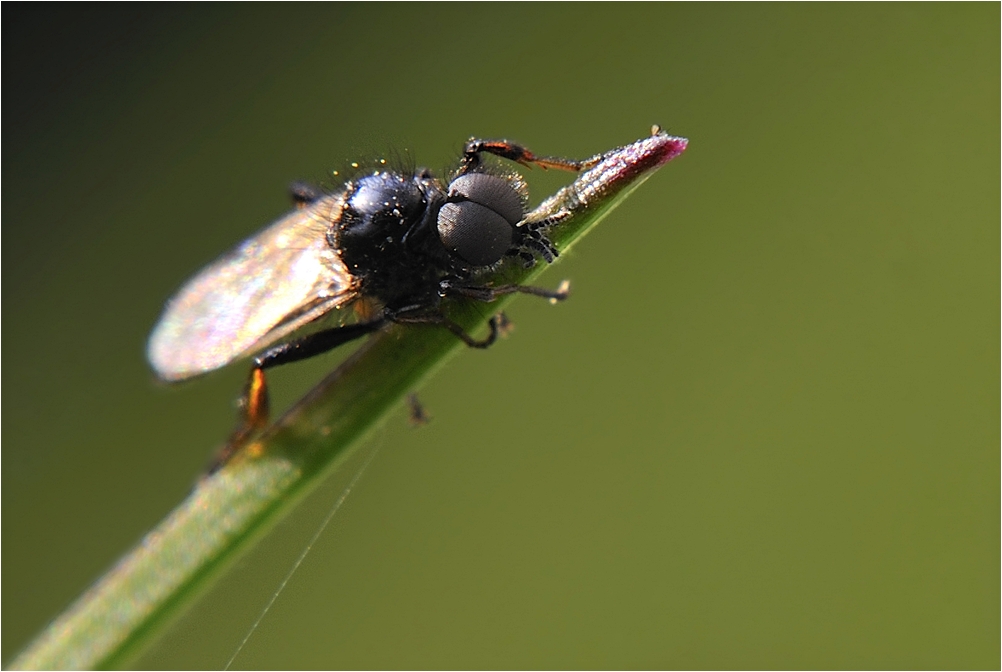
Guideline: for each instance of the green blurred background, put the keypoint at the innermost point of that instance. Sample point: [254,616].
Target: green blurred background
[764,432]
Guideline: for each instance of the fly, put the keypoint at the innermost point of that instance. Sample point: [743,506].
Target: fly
[389,244]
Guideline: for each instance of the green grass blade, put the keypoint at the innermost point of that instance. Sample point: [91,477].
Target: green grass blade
[110,624]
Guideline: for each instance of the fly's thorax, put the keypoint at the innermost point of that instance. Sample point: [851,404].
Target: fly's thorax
[383,236]
[379,211]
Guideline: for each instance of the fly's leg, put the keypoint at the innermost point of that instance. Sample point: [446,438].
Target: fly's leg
[531,237]
[254,411]
[499,324]
[438,318]
[514,152]
[254,406]
[547,221]
[488,294]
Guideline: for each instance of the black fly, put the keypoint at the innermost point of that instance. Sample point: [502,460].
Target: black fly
[391,245]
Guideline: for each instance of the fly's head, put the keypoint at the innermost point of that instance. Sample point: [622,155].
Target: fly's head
[477,222]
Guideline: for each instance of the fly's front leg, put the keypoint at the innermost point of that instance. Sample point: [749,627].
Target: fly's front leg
[514,152]
[488,294]
[254,405]
[499,323]
[531,237]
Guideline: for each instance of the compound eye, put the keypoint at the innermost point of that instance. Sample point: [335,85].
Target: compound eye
[476,222]
[476,233]
[490,191]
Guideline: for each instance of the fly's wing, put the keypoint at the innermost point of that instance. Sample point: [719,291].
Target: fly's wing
[272,284]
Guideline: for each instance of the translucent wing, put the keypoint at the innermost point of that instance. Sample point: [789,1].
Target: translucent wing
[272,284]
